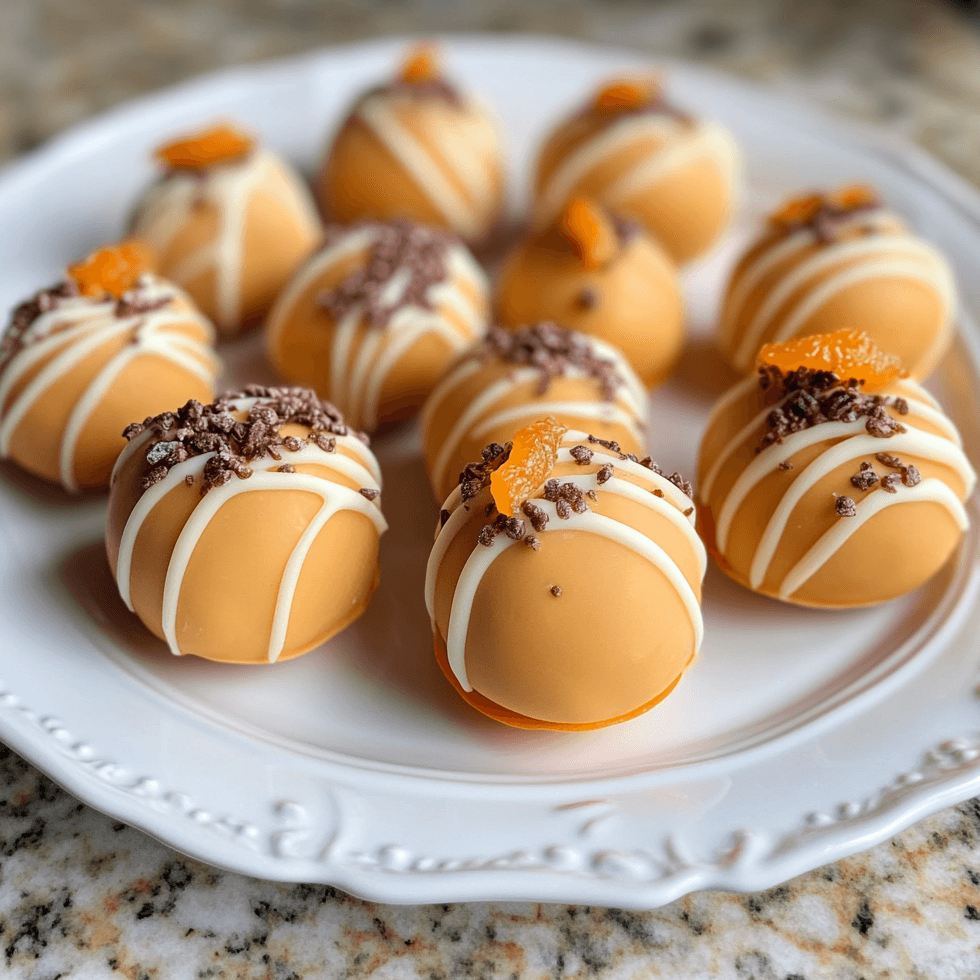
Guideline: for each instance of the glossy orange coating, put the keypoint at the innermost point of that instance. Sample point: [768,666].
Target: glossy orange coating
[531,461]
[590,233]
[218,144]
[113,269]
[850,354]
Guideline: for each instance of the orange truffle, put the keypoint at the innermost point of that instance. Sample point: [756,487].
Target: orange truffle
[839,260]
[514,598]
[81,360]
[419,149]
[247,530]
[830,480]
[229,221]
[602,275]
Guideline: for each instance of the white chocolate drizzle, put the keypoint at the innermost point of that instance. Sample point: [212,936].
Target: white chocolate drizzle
[479,561]
[76,329]
[334,496]
[886,252]
[229,188]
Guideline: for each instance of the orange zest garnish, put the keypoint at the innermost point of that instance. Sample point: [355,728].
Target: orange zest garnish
[798,210]
[803,209]
[532,458]
[219,144]
[625,94]
[850,354]
[113,269]
[590,233]
[853,196]
[421,65]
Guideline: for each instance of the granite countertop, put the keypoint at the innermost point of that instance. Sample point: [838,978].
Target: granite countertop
[82,895]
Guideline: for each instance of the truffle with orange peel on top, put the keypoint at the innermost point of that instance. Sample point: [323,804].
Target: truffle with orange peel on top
[80,360]
[830,478]
[564,584]
[230,222]
[633,152]
[247,530]
[840,259]
[373,320]
[515,376]
[416,148]
[602,275]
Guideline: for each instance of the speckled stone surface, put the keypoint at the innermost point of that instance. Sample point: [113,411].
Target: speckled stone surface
[82,895]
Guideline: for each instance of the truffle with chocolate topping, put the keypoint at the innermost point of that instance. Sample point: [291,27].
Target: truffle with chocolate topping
[630,149]
[502,643]
[416,148]
[515,376]
[81,358]
[793,499]
[374,318]
[270,482]
[635,301]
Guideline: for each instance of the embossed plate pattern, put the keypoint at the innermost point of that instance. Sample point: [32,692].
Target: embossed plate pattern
[799,737]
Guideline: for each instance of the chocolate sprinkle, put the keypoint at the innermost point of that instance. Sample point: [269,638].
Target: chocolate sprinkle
[289,468]
[196,429]
[556,591]
[189,480]
[865,478]
[891,482]
[444,516]
[551,350]
[532,542]
[784,465]
[889,460]
[845,507]
[911,476]
[581,455]
[398,246]
[486,535]
[370,493]
[537,517]
[828,219]
[605,474]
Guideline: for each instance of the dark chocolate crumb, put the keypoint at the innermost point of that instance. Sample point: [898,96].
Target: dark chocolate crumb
[682,484]
[891,482]
[911,476]
[189,480]
[845,507]
[889,460]
[444,516]
[605,473]
[287,468]
[587,298]
[556,591]
[532,542]
[592,494]
[550,491]
[563,509]
[370,493]
[784,465]
[582,455]
[689,511]
[487,535]
[865,478]
[537,517]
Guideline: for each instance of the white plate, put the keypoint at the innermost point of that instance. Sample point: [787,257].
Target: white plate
[799,736]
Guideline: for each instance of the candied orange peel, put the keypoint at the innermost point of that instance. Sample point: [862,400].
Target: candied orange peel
[850,354]
[421,65]
[531,460]
[219,144]
[114,269]
[625,94]
[590,233]
[798,210]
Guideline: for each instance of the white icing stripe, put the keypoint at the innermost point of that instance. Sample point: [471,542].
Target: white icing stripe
[835,537]
[215,499]
[578,164]
[607,412]
[913,442]
[729,398]
[419,165]
[483,557]
[465,369]
[784,248]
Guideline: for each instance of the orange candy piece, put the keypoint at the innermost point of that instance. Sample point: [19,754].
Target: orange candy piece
[113,269]
[798,210]
[850,354]
[590,233]
[532,458]
[625,94]
[421,66]
[853,196]
[219,144]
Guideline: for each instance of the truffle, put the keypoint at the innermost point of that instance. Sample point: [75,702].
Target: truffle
[230,222]
[834,260]
[872,503]
[623,557]
[416,148]
[246,530]
[514,377]
[111,342]
[601,275]
[373,320]
[629,149]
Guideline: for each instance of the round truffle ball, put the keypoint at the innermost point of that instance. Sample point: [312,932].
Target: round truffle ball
[374,319]
[580,609]
[603,276]
[230,222]
[514,377]
[631,150]
[820,493]
[840,260]
[81,360]
[247,530]
[416,148]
